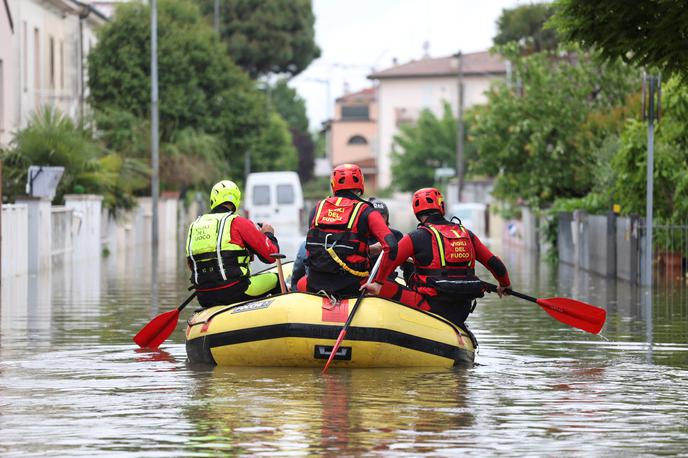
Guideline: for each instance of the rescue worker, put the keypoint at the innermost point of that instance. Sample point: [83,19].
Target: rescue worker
[444,254]
[220,246]
[300,268]
[375,246]
[338,258]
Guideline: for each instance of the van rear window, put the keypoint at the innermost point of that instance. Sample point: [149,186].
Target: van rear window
[261,195]
[285,194]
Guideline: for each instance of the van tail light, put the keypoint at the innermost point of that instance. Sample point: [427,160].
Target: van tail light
[246,214]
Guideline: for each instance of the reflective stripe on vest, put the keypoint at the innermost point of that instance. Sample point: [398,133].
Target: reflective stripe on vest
[440,245]
[218,249]
[189,253]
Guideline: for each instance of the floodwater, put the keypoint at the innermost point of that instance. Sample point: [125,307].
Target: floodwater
[72,383]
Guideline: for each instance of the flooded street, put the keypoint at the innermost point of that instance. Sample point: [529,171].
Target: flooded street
[72,382]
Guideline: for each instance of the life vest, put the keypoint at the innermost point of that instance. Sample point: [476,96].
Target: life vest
[333,241]
[215,260]
[452,269]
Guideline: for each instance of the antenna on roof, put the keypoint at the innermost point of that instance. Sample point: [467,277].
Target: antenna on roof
[426,49]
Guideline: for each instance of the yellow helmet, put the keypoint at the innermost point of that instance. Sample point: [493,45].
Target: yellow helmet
[225,191]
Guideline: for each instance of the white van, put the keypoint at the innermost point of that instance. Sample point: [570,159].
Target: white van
[275,198]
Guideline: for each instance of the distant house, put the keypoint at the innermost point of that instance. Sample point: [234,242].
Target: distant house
[352,134]
[405,90]
[107,7]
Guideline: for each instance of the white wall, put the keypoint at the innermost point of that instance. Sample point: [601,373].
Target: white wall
[15,241]
[414,95]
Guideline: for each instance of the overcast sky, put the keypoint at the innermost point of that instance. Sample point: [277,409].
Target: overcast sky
[356,36]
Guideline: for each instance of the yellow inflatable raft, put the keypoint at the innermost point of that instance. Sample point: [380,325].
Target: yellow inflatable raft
[300,329]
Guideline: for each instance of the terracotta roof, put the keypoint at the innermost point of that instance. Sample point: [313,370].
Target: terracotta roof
[364,95]
[477,63]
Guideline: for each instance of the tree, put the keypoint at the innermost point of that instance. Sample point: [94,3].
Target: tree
[267,36]
[200,88]
[651,33]
[670,160]
[422,147]
[524,25]
[51,138]
[287,102]
[530,139]
[274,151]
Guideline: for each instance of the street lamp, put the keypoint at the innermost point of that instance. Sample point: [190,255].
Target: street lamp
[155,180]
[459,127]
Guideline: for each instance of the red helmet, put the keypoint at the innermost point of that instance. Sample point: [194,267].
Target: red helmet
[428,199]
[347,176]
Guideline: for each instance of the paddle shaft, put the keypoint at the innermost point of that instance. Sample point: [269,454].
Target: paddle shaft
[280,273]
[575,313]
[359,299]
[187,301]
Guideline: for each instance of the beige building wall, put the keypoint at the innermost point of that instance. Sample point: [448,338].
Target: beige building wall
[47,57]
[403,99]
[342,152]
[342,131]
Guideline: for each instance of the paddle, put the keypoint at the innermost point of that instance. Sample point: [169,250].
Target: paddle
[578,314]
[160,327]
[280,274]
[342,333]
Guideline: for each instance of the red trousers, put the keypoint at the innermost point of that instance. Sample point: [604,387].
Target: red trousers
[405,295]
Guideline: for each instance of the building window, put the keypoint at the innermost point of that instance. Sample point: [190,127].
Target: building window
[51,61]
[2,98]
[355,112]
[25,51]
[62,64]
[37,66]
[357,140]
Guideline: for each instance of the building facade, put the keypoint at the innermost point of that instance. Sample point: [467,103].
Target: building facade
[7,112]
[48,52]
[404,91]
[353,133]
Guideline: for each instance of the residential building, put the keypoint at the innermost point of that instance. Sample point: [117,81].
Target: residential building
[7,32]
[404,91]
[49,47]
[353,133]
[106,7]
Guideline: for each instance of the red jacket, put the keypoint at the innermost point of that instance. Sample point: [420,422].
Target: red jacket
[418,246]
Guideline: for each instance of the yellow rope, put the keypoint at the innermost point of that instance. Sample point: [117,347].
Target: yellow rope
[343,265]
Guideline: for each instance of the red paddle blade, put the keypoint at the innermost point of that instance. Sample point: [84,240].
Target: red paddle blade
[575,313]
[334,349]
[159,329]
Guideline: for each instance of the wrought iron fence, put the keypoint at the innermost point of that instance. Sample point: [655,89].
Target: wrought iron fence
[670,257]
[669,254]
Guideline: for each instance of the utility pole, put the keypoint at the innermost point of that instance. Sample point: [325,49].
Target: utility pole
[155,180]
[217,16]
[459,128]
[653,90]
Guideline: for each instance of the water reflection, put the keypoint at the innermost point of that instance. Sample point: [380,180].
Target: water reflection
[72,382]
[245,410]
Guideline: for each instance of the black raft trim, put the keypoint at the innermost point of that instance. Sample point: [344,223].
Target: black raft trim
[198,349]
